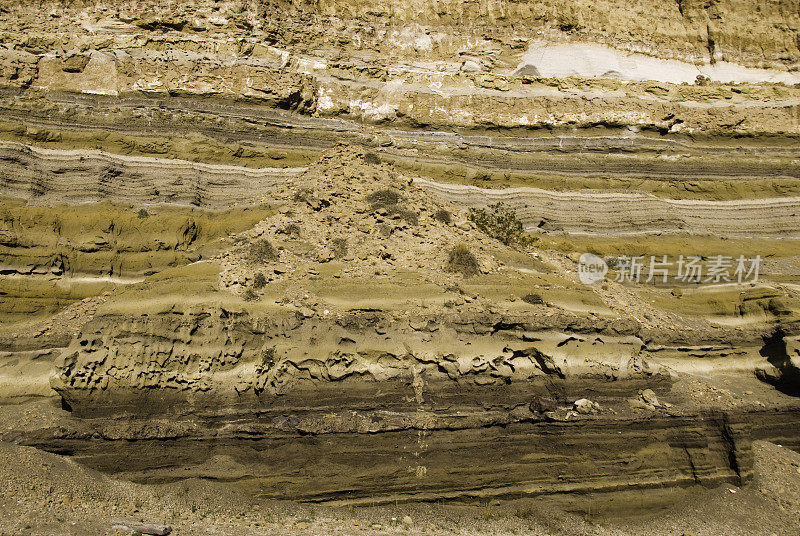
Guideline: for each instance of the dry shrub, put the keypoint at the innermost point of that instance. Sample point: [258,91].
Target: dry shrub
[533,299]
[292,230]
[463,261]
[339,247]
[389,200]
[262,251]
[259,281]
[384,198]
[409,216]
[443,215]
[372,158]
[250,295]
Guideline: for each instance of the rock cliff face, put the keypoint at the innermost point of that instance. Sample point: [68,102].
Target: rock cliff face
[239,237]
[254,360]
[625,213]
[313,355]
[52,176]
[465,65]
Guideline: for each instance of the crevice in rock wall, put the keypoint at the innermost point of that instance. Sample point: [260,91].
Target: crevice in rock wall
[786,375]
[689,457]
[731,446]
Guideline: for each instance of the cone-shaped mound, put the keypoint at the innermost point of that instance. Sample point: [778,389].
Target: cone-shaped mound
[356,218]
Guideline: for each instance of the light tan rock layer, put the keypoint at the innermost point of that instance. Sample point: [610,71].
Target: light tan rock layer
[620,213]
[76,176]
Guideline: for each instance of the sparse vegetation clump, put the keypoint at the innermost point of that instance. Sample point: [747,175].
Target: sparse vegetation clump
[463,261]
[443,216]
[259,280]
[339,247]
[250,295]
[384,198]
[500,222]
[409,216]
[372,158]
[389,200]
[291,230]
[301,194]
[262,251]
[533,299]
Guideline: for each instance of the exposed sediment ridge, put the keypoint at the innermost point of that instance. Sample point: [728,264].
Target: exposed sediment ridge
[619,213]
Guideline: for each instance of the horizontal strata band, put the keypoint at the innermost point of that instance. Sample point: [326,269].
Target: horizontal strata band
[80,176]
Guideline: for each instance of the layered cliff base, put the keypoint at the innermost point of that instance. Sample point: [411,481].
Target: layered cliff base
[45,493]
[334,327]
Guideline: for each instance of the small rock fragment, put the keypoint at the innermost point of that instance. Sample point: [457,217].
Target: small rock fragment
[584,406]
[140,528]
[649,397]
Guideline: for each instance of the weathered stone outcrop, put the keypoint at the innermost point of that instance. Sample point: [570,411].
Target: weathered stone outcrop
[121,73]
[244,229]
[237,359]
[404,397]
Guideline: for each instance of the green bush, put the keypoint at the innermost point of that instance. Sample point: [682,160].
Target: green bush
[463,261]
[500,222]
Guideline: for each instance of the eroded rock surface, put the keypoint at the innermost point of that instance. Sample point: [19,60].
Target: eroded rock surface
[237,237]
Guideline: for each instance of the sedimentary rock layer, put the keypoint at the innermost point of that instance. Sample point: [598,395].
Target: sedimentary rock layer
[619,213]
[58,176]
[379,415]
[47,176]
